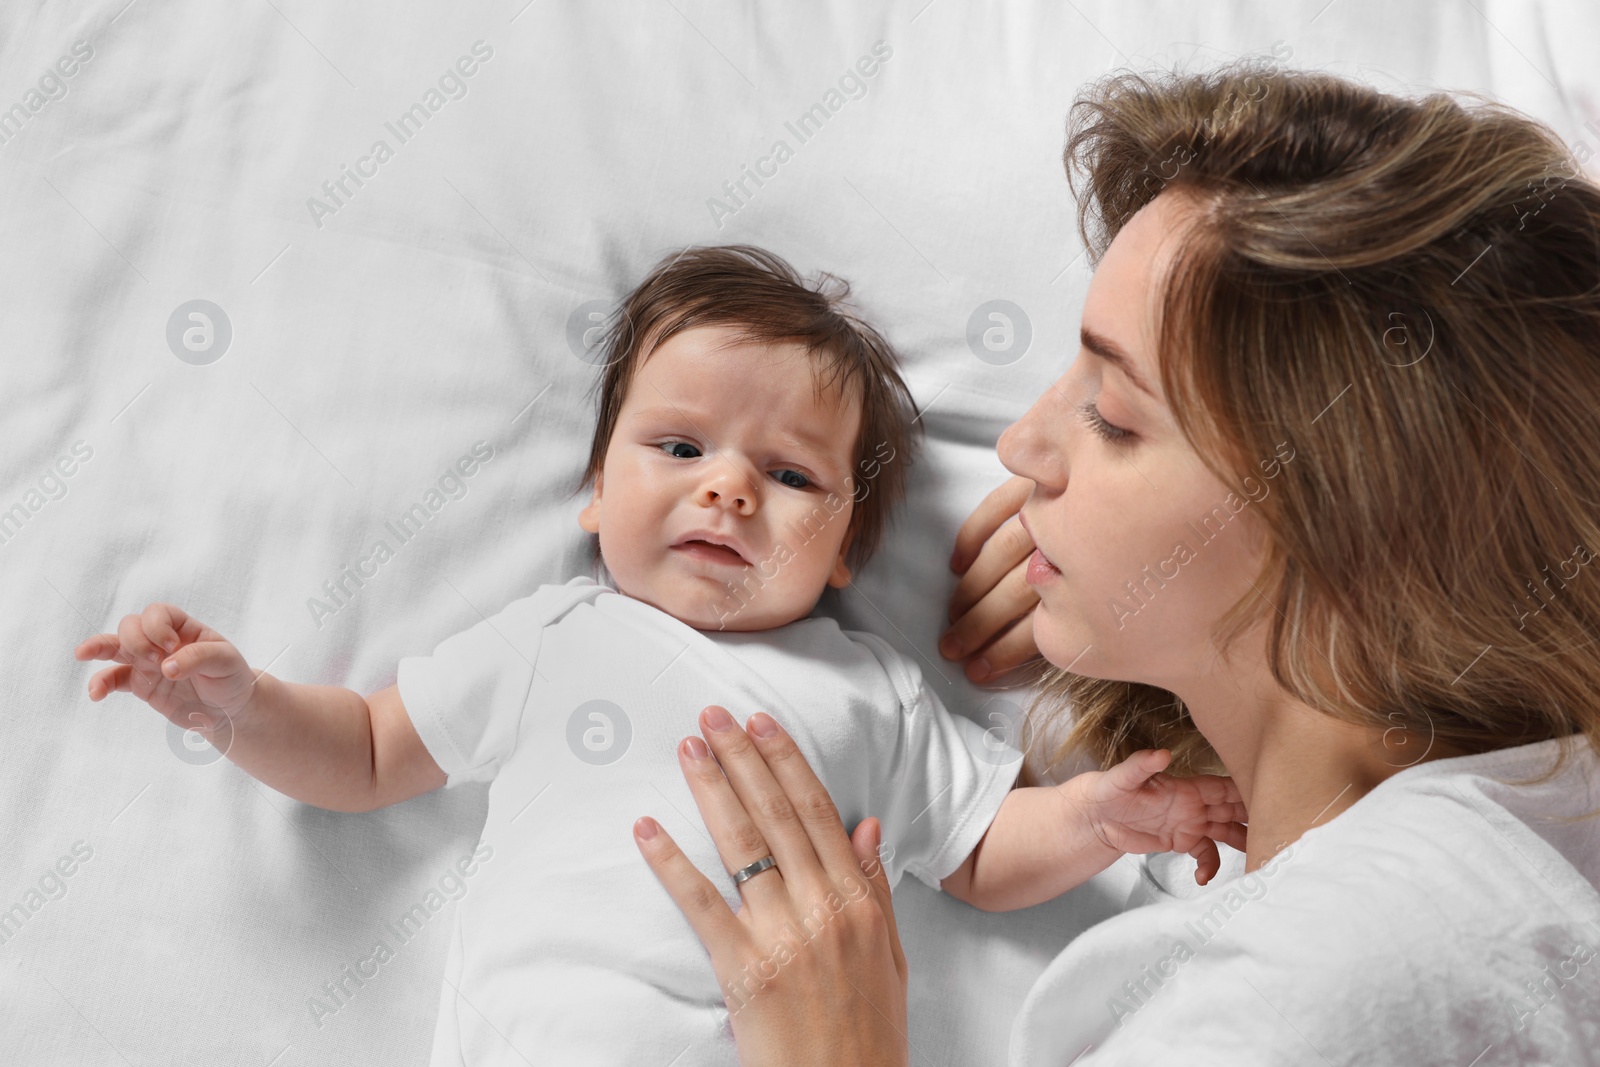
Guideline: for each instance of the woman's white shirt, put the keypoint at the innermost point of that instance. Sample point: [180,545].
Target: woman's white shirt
[1449,916]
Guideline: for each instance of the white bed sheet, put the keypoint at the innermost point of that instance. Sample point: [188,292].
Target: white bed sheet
[374,345]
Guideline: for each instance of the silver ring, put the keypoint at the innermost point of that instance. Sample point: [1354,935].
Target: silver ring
[745,873]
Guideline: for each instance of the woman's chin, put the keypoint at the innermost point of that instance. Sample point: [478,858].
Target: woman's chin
[1064,640]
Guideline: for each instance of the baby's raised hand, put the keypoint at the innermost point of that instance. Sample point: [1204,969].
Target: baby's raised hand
[175,663]
[1135,808]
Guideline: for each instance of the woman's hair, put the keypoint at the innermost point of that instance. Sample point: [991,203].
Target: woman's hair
[762,296]
[1405,293]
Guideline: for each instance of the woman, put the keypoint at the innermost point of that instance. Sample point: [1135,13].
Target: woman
[1313,509]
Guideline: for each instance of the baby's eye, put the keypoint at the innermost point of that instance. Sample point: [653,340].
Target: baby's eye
[670,445]
[804,481]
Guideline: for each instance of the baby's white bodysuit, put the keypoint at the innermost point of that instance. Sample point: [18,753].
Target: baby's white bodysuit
[565,949]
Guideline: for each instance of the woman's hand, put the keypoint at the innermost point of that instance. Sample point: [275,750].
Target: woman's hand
[811,967]
[994,597]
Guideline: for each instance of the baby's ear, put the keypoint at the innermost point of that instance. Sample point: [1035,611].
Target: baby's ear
[589,517]
[840,577]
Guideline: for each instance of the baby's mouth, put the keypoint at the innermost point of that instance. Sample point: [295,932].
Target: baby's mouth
[710,553]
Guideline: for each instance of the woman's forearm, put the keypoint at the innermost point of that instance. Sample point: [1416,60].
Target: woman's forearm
[1041,844]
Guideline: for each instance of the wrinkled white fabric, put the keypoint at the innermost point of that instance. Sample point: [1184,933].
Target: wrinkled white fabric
[1447,917]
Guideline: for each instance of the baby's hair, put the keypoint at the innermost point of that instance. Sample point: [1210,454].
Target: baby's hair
[768,302]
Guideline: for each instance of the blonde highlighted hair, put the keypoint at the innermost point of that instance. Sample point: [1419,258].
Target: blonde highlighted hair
[1408,292]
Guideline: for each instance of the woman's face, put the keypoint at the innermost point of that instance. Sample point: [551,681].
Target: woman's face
[1148,547]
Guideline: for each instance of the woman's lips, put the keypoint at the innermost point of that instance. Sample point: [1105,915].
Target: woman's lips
[710,553]
[1040,569]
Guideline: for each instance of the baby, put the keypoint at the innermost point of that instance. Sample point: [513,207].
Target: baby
[752,442]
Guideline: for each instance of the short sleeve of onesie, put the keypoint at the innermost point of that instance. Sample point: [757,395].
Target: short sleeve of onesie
[466,699]
[945,777]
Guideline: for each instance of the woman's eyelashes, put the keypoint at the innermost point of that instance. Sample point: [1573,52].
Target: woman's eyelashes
[1103,429]
[670,446]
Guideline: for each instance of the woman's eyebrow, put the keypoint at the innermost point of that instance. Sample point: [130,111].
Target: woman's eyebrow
[1113,353]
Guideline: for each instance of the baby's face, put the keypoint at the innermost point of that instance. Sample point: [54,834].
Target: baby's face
[720,439]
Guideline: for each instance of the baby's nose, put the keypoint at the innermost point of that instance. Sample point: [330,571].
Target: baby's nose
[737,500]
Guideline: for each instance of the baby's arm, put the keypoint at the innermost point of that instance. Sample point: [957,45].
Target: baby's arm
[321,744]
[1047,839]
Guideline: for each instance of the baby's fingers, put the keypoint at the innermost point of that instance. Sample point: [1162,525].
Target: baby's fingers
[1206,855]
[110,680]
[1232,834]
[100,646]
[1217,789]
[214,659]
[1227,812]
[161,624]
[1133,772]
[135,644]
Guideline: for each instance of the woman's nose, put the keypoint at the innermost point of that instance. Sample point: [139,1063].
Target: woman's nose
[1031,445]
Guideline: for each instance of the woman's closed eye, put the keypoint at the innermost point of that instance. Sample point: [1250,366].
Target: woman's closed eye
[669,446]
[1103,429]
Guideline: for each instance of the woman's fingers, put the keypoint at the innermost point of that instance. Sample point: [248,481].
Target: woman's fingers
[1015,646]
[750,797]
[739,841]
[806,794]
[1001,503]
[993,596]
[716,926]
[848,993]
[864,845]
[1007,547]
[1002,599]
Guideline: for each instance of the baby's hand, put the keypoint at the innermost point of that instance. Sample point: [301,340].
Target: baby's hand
[1135,808]
[198,683]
